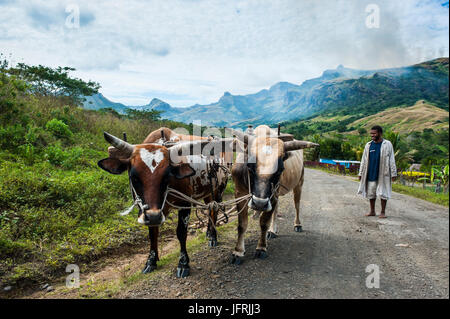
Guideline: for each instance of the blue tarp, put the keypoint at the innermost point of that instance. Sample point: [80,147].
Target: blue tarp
[338,162]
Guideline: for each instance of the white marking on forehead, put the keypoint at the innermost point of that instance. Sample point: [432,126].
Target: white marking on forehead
[149,157]
[267,156]
[267,149]
[175,138]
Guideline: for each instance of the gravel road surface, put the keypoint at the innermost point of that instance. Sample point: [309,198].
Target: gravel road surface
[329,258]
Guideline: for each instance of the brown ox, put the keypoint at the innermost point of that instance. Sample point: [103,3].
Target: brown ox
[152,167]
[268,168]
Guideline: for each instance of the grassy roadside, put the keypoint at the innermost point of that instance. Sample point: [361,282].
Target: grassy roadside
[440,199]
[130,279]
[57,207]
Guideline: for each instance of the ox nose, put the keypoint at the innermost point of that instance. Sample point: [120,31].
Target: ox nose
[260,204]
[152,217]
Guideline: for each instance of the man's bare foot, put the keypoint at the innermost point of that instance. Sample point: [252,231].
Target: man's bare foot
[382,215]
[370,214]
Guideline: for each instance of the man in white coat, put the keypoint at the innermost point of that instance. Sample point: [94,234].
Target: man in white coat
[377,170]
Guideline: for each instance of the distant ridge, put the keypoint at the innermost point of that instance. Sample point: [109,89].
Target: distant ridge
[409,119]
[340,89]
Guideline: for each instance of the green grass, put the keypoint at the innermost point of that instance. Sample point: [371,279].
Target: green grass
[437,198]
[52,217]
[229,190]
[166,264]
[57,206]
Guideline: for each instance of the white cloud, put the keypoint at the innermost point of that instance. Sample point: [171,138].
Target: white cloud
[188,52]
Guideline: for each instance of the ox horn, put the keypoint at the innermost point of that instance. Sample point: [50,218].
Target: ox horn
[298,145]
[204,146]
[246,138]
[121,145]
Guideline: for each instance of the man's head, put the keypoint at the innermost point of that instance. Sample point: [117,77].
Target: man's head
[376,132]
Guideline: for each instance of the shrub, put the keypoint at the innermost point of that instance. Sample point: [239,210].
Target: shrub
[58,128]
[75,157]
[10,104]
[28,153]
[12,136]
[55,155]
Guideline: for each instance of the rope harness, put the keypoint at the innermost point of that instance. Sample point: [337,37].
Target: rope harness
[226,207]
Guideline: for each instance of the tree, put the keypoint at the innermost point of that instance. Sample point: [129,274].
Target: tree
[46,81]
[362,131]
[402,158]
[151,115]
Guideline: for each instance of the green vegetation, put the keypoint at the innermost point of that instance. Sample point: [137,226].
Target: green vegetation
[419,145]
[425,194]
[372,94]
[419,134]
[56,206]
[139,115]
[131,279]
[45,81]
[405,120]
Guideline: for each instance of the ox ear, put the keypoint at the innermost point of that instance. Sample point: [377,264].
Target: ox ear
[114,165]
[182,170]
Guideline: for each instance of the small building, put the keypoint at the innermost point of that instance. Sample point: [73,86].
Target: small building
[415,167]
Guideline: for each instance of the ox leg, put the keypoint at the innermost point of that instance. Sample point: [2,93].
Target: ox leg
[211,232]
[297,197]
[239,250]
[183,268]
[273,229]
[264,223]
[150,265]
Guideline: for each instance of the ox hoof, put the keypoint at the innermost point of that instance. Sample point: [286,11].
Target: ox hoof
[212,243]
[271,235]
[183,272]
[236,260]
[148,269]
[261,254]
[298,229]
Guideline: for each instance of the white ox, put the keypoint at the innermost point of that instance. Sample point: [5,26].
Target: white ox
[268,168]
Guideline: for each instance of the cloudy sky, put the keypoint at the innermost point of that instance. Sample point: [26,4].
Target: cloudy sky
[191,51]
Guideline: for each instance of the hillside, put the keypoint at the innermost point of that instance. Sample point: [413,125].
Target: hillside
[98,102]
[342,91]
[57,206]
[401,119]
[404,120]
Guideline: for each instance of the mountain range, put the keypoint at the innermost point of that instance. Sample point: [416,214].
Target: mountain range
[344,90]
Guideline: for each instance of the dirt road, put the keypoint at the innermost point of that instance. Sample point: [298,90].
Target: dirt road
[328,259]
